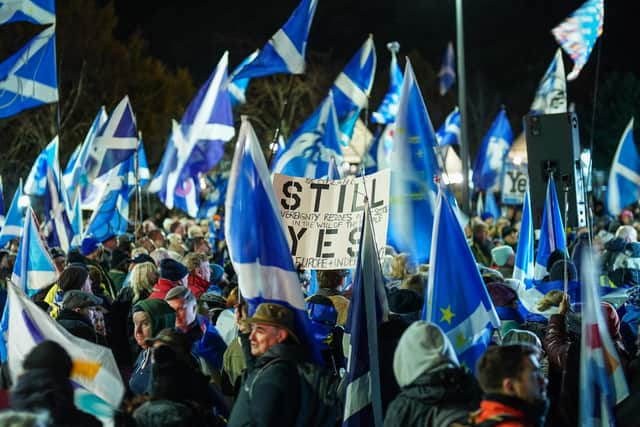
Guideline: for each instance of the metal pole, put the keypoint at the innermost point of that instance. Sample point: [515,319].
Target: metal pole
[462,105]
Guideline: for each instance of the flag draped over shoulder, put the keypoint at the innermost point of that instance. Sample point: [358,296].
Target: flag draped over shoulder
[39,12]
[256,236]
[94,368]
[487,167]
[14,221]
[388,108]
[413,166]
[285,51]
[447,72]
[524,264]
[551,96]
[456,298]
[449,132]
[552,236]
[578,33]
[624,176]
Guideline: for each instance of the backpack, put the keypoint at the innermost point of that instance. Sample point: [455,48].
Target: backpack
[320,404]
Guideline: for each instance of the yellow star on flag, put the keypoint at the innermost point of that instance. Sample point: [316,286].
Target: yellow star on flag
[447,314]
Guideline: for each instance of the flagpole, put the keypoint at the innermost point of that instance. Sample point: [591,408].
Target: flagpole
[137,187]
[283,111]
[462,103]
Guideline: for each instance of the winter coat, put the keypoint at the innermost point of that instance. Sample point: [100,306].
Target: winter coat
[166,413]
[39,389]
[197,285]
[627,410]
[621,262]
[161,289]
[493,405]
[207,344]
[447,394]
[77,324]
[140,381]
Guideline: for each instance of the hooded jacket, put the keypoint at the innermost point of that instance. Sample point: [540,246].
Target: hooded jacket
[621,262]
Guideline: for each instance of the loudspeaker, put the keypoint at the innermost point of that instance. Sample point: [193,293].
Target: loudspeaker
[553,146]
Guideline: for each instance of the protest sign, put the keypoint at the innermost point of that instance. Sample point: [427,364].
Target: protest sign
[323,219]
[515,180]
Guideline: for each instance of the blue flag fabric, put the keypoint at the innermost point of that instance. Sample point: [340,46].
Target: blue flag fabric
[285,52]
[491,206]
[447,72]
[413,166]
[456,298]
[578,33]
[624,176]
[33,269]
[57,226]
[449,132]
[388,109]
[36,184]
[2,211]
[28,78]
[256,236]
[197,144]
[14,221]
[487,167]
[524,264]
[551,96]
[367,311]
[114,143]
[311,148]
[238,87]
[218,191]
[552,236]
[39,12]
[144,174]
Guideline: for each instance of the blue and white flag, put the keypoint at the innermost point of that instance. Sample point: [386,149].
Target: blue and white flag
[144,174]
[196,145]
[311,148]
[449,132]
[552,236]
[578,33]
[39,12]
[487,167]
[524,264]
[352,88]
[2,212]
[218,184]
[238,87]
[94,367]
[285,52]
[491,205]
[57,224]
[77,224]
[33,269]
[36,184]
[388,109]
[14,221]
[256,236]
[457,298]
[624,176]
[602,380]
[413,166]
[367,311]
[447,72]
[28,78]
[551,96]
[114,143]
[334,172]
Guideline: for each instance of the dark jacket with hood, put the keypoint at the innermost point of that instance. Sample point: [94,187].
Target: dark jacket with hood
[621,262]
[79,325]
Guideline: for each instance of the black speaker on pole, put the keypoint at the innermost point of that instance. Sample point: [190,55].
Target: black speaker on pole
[553,147]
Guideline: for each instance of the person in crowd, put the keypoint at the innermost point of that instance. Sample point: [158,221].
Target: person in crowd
[326,331]
[504,258]
[514,387]
[207,344]
[626,412]
[159,254]
[218,279]
[626,217]
[510,236]
[77,315]
[157,237]
[631,320]
[59,258]
[480,243]
[435,390]
[45,386]
[505,301]
[74,276]
[120,262]
[330,283]
[399,270]
[199,273]
[272,376]
[415,282]
[233,360]
[176,245]
[172,273]
[150,316]
[92,251]
[621,258]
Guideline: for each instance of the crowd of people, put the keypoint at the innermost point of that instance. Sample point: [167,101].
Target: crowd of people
[166,301]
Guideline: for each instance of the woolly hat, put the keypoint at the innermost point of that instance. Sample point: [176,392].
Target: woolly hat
[49,356]
[557,271]
[89,245]
[160,314]
[501,254]
[423,347]
[216,273]
[173,270]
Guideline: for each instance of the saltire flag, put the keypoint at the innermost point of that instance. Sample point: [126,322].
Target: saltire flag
[94,368]
[487,167]
[551,96]
[77,223]
[413,166]
[457,298]
[367,311]
[28,78]
[352,87]
[218,184]
[578,33]
[524,263]
[114,143]
[144,174]
[33,269]
[602,381]
[449,132]
[311,148]
[196,145]
[285,51]
[388,108]
[36,184]
[447,72]
[238,87]
[2,212]
[256,236]
[334,172]
[479,205]
[552,236]
[491,205]
[57,225]
[624,176]
[14,221]
[39,12]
